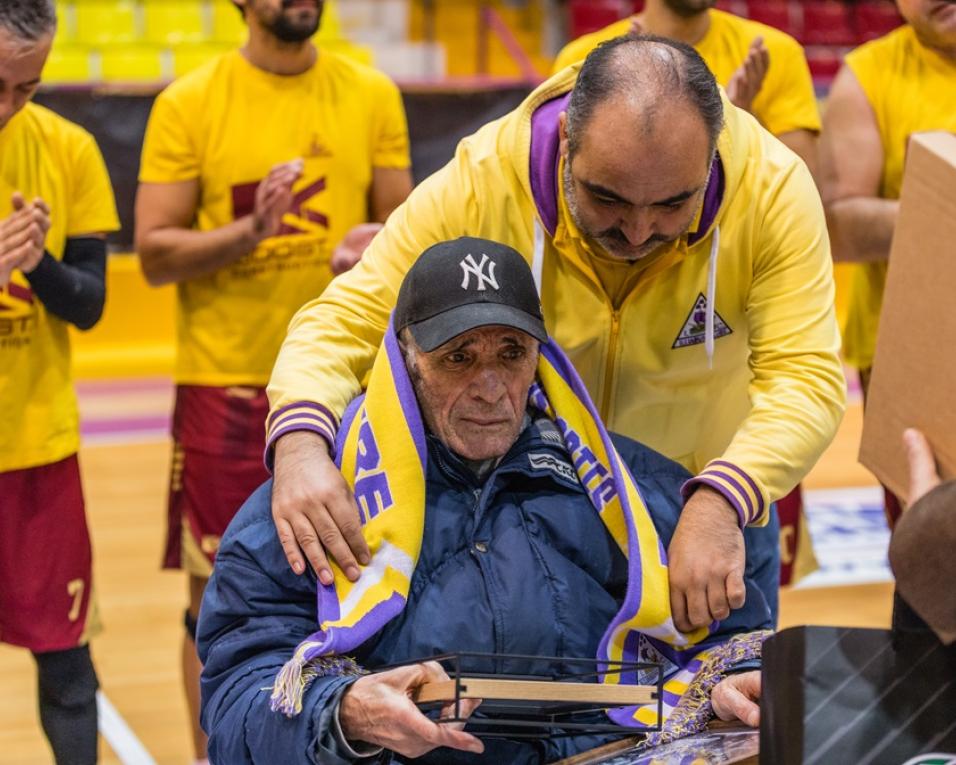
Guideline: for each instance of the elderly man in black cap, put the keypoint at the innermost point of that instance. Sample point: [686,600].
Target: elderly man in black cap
[514,557]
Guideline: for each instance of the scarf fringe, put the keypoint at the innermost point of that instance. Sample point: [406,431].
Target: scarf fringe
[297,675]
[694,709]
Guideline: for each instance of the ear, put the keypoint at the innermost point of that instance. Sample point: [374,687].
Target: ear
[563,134]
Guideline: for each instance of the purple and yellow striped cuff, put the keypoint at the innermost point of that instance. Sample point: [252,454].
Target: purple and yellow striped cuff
[302,415]
[738,488]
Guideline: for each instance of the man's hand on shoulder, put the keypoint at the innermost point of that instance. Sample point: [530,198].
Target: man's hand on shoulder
[706,561]
[377,709]
[314,510]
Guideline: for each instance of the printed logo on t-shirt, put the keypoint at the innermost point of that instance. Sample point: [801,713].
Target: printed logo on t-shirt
[309,221]
[17,315]
[693,330]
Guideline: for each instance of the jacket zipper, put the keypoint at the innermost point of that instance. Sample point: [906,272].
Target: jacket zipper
[609,365]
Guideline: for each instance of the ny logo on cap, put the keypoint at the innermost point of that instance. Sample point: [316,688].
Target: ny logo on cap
[469,267]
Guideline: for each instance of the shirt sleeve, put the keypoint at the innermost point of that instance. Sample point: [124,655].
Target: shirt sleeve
[92,208]
[390,132]
[787,100]
[332,341]
[797,388]
[170,154]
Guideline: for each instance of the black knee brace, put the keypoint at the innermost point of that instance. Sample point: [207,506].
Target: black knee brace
[67,689]
[190,624]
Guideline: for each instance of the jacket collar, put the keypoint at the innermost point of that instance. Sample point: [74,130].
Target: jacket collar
[538,451]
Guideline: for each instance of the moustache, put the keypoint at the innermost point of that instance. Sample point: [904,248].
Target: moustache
[617,236]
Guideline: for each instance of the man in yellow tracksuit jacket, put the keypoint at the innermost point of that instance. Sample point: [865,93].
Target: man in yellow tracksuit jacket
[697,305]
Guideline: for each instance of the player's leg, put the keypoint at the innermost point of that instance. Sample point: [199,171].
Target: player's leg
[217,464]
[192,668]
[45,599]
[67,684]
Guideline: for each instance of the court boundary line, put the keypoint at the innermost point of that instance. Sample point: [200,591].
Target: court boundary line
[121,738]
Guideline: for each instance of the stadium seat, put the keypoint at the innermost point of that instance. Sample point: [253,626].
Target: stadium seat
[875,18]
[67,64]
[827,22]
[774,13]
[104,22]
[189,56]
[171,22]
[133,63]
[591,15]
[66,21]
[227,23]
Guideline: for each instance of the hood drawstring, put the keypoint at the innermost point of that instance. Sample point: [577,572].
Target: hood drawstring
[711,297]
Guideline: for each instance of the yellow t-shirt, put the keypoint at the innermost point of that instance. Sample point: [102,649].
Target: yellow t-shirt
[44,155]
[912,89]
[228,124]
[786,100]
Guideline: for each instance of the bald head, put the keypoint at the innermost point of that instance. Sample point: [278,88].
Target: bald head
[652,79]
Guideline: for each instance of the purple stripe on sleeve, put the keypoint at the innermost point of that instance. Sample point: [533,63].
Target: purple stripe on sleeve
[303,405]
[690,485]
[321,420]
[269,456]
[743,474]
[732,480]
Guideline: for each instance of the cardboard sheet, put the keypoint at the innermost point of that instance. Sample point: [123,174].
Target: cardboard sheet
[914,374]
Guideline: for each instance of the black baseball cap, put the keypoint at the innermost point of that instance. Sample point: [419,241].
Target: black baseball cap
[458,285]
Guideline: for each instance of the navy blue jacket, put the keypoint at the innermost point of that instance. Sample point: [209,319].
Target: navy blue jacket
[520,563]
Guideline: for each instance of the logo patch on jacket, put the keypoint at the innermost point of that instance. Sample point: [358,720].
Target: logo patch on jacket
[544,461]
[692,333]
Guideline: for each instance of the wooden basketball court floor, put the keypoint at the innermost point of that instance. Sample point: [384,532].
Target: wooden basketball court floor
[125,461]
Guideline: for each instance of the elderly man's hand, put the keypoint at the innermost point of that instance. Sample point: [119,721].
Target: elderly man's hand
[706,561]
[736,696]
[352,247]
[377,709]
[923,475]
[746,82]
[313,509]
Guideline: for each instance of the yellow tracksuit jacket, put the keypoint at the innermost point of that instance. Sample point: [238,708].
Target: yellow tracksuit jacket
[750,421]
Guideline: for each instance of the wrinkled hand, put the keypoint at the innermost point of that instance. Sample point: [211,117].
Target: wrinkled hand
[923,475]
[314,510]
[746,82]
[736,697]
[706,561]
[23,236]
[377,709]
[274,198]
[352,247]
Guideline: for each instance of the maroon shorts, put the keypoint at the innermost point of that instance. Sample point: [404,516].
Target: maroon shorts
[218,441]
[45,558]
